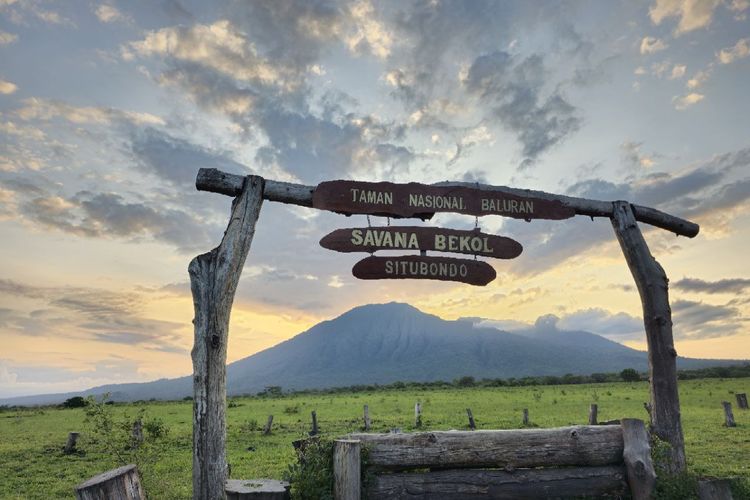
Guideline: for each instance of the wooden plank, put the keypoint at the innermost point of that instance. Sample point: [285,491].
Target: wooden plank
[637,456]
[652,284]
[563,446]
[346,469]
[415,200]
[469,484]
[472,272]
[371,239]
[216,181]
[213,282]
[121,483]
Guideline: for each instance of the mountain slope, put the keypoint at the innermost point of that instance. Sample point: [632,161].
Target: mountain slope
[384,343]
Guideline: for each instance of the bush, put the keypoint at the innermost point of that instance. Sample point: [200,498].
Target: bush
[75,402]
[630,375]
[311,478]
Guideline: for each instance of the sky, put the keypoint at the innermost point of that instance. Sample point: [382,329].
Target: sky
[109,108]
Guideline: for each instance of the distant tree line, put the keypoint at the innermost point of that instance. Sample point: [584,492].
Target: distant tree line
[626,375]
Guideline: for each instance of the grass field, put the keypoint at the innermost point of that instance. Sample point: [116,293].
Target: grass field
[32,464]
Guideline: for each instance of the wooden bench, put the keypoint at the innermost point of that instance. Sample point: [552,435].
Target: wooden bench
[585,460]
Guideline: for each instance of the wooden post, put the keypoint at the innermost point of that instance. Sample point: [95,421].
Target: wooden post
[525,416]
[472,425]
[314,430]
[741,400]
[267,428]
[213,281]
[122,482]
[728,415]
[137,434]
[637,456]
[417,415]
[593,411]
[346,469]
[367,418]
[70,445]
[651,281]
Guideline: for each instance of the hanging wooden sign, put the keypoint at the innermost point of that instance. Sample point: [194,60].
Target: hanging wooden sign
[371,239]
[421,200]
[473,272]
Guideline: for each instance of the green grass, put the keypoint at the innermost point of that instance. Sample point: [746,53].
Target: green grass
[32,464]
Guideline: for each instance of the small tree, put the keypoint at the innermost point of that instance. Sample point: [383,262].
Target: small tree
[630,375]
[75,402]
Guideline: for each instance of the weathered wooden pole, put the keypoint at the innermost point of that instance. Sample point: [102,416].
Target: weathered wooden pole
[267,427]
[525,416]
[728,415]
[417,415]
[741,400]
[472,425]
[346,469]
[314,430]
[637,456]
[367,418]
[651,281]
[593,413]
[213,281]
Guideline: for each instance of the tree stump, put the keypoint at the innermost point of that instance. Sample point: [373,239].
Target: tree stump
[741,400]
[122,483]
[267,427]
[714,489]
[728,415]
[70,445]
[367,418]
[593,413]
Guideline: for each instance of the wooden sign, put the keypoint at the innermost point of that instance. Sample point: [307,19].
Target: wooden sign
[420,200]
[371,239]
[473,272]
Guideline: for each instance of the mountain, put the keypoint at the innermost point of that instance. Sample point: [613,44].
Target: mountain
[384,343]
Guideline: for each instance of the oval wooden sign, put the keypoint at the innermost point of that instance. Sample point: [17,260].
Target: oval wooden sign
[420,200]
[473,272]
[371,239]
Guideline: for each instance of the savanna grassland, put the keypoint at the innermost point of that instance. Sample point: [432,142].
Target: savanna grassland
[32,464]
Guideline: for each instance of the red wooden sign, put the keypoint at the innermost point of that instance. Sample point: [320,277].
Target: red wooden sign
[473,272]
[371,239]
[420,200]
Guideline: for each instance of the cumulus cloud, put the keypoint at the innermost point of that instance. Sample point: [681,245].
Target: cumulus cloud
[649,45]
[7,87]
[108,13]
[635,156]
[731,285]
[694,320]
[685,101]
[35,108]
[691,14]
[7,38]
[740,50]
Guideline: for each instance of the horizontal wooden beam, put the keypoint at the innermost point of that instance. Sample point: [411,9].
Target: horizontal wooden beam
[468,484]
[562,446]
[214,180]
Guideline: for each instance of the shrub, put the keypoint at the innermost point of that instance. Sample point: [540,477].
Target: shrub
[630,375]
[75,402]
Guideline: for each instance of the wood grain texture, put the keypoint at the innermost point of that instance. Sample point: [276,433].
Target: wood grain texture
[211,179]
[122,483]
[563,446]
[637,456]
[346,469]
[652,284]
[213,281]
[469,484]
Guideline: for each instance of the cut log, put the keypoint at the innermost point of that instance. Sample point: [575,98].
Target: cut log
[70,444]
[257,489]
[741,400]
[637,456]
[211,179]
[563,446]
[472,425]
[469,484]
[728,415]
[651,281]
[122,483]
[213,281]
[267,427]
[593,413]
[346,469]
[367,418]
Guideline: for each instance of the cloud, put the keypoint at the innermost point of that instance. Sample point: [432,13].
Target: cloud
[108,13]
[740,50]
[7,87]
[649,45]
[678,71]
[692,14]
[699,78]
[685,101]
[698,320]
[35,108]
[7,38]
[616,326]
[732,285]
[512,88]
[633,155]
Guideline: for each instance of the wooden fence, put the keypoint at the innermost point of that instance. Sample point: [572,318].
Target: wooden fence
[529,463]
